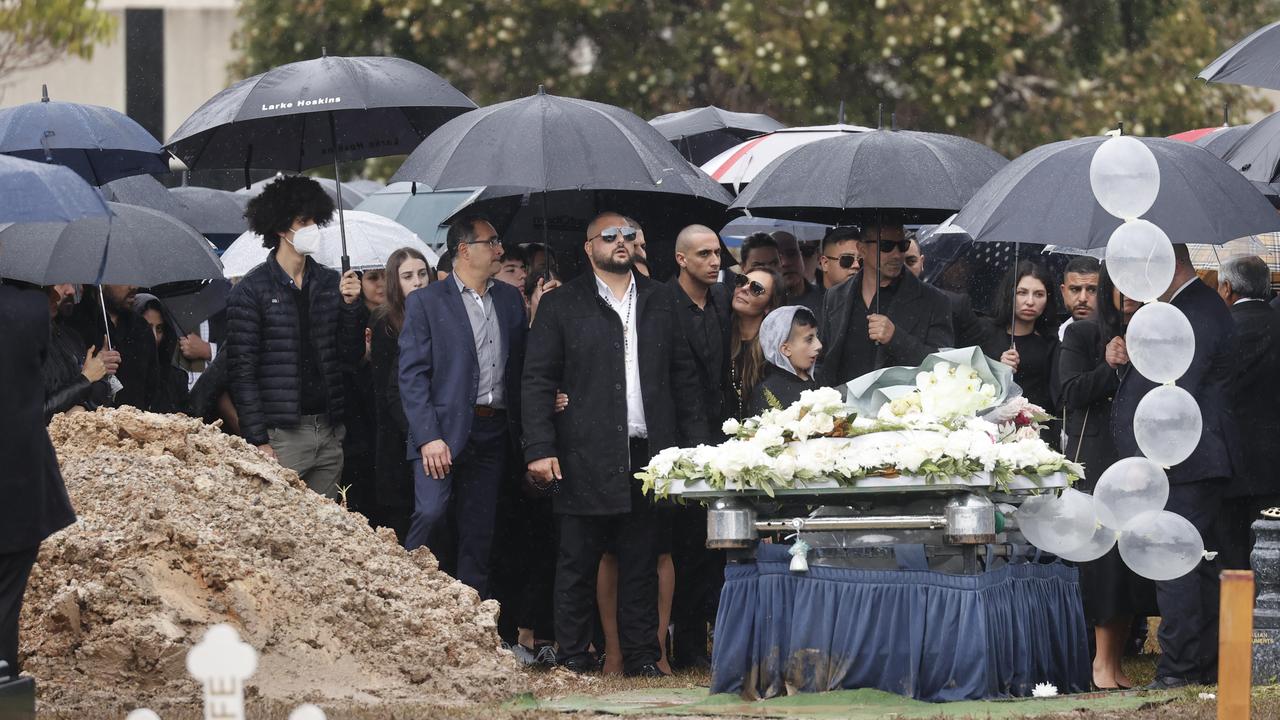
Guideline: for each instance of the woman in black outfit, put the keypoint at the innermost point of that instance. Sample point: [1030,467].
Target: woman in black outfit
[407,270]
[757,294]
[1023,335]
[1090,362]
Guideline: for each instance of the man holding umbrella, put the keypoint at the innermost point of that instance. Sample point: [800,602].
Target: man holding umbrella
[882,316]
[289,336]
[608,339]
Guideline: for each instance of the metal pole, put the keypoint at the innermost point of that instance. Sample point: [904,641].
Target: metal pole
[106,322]
[337,178]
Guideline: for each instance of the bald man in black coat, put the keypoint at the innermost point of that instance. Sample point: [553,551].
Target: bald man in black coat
[33,499]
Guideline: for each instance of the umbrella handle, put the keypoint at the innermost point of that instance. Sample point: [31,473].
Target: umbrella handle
[106,322]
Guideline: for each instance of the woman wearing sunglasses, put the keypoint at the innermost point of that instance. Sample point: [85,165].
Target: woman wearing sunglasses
[757,294]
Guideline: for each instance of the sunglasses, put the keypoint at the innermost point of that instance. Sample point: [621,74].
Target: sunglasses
[611,234]
[891,245]
[753,286]
[846,261]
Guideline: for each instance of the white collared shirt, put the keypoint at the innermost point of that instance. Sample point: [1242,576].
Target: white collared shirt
[1244,300]
[626,309]
[1185,285]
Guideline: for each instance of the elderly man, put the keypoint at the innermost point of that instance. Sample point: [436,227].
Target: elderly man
[883,316]
[796,289]
[1244,283]
[609,339]
[1189,605]
[1079,290]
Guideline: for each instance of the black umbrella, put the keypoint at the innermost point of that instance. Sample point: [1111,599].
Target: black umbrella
[703,133]
[848,179]
[1253,61]
[1221,141]
[217,214]
[192,302]
[559,157]
[318,112]
[144,191]
[1045,197]
[39,192]
[99,143]
[136,246]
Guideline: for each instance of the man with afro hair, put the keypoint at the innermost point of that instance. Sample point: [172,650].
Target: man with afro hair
[292,326]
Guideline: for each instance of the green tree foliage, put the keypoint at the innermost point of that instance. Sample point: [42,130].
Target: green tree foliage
[34,33]
[1010,73]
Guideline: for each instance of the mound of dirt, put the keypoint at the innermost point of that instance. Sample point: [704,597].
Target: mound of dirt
[182,526]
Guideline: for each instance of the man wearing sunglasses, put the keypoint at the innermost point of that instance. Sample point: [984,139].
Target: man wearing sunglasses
[610,341]
[883,316]
[841,256]
[461,352]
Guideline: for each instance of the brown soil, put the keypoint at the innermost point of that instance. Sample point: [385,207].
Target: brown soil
[182,527]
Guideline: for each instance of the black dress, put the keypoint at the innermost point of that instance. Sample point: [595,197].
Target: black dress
[1035,370]
[1086,386]
[393,485]
[784,387]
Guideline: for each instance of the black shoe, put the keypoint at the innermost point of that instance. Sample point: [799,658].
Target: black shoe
[1168,683]
[649,670]
[581,664]
[693,662]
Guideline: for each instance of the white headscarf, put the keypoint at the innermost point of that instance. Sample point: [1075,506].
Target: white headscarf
[774,331]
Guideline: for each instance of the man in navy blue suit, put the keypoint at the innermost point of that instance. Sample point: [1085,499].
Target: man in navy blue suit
[1189,605]
[461,354]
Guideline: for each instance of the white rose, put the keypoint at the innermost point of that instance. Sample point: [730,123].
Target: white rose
[731,427]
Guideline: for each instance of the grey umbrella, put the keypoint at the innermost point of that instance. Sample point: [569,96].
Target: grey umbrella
[217,214]
[40,192]
[1253,61]
[144,191]
[1044,197]
[703,133]
[846,179]
[135,246]
[1221,141]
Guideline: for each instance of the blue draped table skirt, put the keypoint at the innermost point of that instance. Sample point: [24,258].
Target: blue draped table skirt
[927,635]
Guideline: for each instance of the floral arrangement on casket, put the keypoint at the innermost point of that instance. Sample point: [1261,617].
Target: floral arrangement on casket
[944,427]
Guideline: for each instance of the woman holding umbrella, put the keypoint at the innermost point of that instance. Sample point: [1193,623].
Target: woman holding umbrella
[1023,334]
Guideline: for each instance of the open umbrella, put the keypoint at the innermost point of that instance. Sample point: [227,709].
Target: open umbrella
[318,112]
[562,159]
[848,178]
[419,208]
[40,192]
[135,246]
[217,214]
[370,240]
[1254,61]
[702,133]
[99,143]
[144,191]
[1045,197]
[739,164]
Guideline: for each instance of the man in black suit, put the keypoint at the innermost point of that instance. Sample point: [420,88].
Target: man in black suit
[1244,284]
[969,330]
[1189,605]
[882,316]
[610,341]
[35,500]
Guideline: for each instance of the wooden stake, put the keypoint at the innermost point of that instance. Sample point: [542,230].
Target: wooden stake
[1235,645]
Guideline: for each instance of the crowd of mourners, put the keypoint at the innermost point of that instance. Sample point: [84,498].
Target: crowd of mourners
[496,413]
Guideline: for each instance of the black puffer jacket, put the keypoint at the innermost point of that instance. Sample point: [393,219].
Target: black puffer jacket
[263,340]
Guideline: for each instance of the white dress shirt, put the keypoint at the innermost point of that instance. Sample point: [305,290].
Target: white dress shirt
[1184,286]
[626,309]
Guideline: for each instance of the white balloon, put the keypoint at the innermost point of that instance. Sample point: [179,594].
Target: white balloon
[1125,177]
[1104,538]
[1140,260]
[1161,545]
[1129,488]
[1167,425]
[1058,524]
[1160,342]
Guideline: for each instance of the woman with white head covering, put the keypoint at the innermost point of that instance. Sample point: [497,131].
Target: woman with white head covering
[789,340]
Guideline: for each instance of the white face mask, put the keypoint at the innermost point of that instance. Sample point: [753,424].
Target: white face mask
[306,240]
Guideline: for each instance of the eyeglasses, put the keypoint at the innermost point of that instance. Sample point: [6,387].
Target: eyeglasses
[846,261]
[891,245]
[611,234]
[753,286]
[494,241]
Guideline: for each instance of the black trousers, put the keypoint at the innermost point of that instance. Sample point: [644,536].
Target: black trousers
[1189,605]
[582,542]
[699,578]
[1235,526]
[15,568]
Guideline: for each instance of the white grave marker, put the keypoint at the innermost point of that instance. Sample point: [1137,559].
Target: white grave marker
[222,662]
[307,711]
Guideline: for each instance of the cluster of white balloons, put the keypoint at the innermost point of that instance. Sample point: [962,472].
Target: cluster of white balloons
[1127,507]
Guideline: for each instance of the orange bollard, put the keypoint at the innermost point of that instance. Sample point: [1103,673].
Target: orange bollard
[1235,645]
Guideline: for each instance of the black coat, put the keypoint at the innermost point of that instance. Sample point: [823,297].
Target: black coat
[35,500]
[921,316]
[576,346]
[1086,387]
[713,366]
[131,336]
[1255,399]
[1208,379]
[394,474]
[970,330]
[65,385]
[784,388]
[263,342]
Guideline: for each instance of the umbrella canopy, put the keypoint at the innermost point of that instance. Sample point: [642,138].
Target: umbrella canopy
[40,192]
[135,246]
[192,302]
[1222,139]
[1045,197]
[1253,61]
[419,208]
[739,165]
[289,117]
[370,241]
[844,179]
[1194,135]
[217,214]
[702,133]
[741,227]
[99,143]
[1256,151]
[364,186]
[143,191]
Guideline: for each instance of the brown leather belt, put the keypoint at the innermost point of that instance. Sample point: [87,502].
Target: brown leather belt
[486,411]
